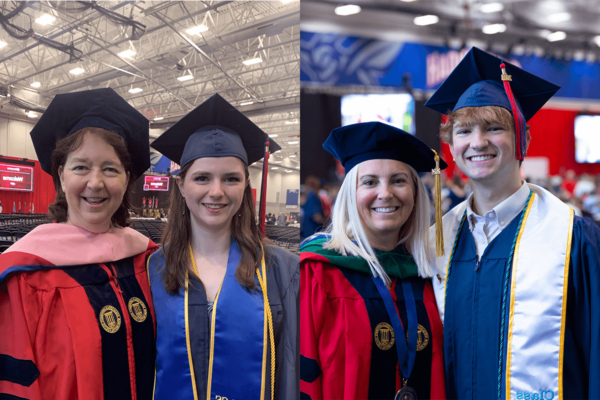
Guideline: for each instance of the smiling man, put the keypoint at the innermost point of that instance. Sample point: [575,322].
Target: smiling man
[518,286]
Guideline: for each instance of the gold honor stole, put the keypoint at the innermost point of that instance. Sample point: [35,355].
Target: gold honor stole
[534,360]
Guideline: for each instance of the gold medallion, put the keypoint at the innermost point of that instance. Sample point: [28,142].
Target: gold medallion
[422,338]
[384,336]
[110,319]
[137,309]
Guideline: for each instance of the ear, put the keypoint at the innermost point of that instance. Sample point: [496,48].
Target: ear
[527,138]
[248,181]
[61,177]
[180,185]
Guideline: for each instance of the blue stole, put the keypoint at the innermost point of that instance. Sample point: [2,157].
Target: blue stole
[238,342]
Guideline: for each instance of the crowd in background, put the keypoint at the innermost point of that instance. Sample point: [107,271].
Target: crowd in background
[582,193]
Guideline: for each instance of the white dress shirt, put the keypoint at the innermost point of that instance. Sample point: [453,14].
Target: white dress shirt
[485,229]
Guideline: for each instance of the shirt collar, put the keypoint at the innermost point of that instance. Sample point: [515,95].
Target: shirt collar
[506,211]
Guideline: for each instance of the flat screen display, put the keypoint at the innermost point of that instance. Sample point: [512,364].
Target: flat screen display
[587,138]
[16,177]
[394,109]
[156,183]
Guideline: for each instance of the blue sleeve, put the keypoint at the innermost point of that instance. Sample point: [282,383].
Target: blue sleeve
[582,334]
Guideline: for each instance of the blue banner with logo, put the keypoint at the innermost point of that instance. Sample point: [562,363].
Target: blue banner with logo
[291,198]
[330,59]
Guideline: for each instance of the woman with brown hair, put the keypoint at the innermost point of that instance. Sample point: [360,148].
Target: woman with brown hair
[226,303]
[76,315]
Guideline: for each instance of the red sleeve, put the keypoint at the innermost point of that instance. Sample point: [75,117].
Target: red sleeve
[313,302]
[438,385]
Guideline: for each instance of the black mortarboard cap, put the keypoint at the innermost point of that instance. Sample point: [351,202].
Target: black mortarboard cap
[100,108]
[353,144]
[476,82]
[214,129]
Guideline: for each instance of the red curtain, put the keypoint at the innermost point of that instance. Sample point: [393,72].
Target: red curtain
[43,193]
[552,136]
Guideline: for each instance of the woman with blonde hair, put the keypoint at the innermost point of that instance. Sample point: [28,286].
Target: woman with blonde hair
[365,283]
[226,302]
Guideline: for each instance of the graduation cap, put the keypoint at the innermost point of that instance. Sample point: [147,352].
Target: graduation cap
[482,79]
[214,129]
[99,108]
[353,144]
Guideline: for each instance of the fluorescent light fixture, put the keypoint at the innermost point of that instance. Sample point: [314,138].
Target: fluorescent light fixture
[292,156]
[252,61]
[136,90]
[288,170]
[31,114]
[45,19]
[2,44]
[348,9]
[426,20]
[408,1]
[293,142]
[274,167]
[597,40]
[185,78]
[291,122]
[287,1]
[491,7]
[559,17]
[158,118]
[77,71]
[197,30]
[275,135]
[35,84]
[247,103]
[493,28]
[556,36]
[127,54]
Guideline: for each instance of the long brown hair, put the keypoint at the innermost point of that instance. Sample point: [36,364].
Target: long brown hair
[59,210]
[177,237]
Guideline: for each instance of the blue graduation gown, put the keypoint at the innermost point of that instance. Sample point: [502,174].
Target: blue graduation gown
[473,315]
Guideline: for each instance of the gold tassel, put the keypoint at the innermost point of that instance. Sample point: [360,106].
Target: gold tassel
[439,232]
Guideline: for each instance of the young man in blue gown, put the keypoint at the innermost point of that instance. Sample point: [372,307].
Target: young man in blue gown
[518,284]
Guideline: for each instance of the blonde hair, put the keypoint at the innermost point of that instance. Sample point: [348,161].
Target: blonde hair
[348,237]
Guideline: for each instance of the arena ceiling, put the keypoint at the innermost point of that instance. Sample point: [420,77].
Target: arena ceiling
[527,24]
[145,49]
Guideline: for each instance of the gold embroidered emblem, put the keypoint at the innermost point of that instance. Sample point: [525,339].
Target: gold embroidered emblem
[110,319]
[384,336]
[422,338]
[137,309]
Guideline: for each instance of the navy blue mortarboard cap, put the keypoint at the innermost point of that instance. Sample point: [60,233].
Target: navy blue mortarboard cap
[99,108]
[214,129]
[353,144]
[477,81]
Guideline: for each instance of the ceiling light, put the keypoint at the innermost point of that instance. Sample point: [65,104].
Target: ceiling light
[136,90]
[291,122]
[289,170]
[426,20]
[35,84]
[274,167]
[292,156]
[77,71]
[185,78]
[559,17]
[347,9]
[286,1]
[597,40]
[252,61]
[556,36]
[491,7]
[247,103]
[273,135]
[408,1]
[493,28]
[2,44]
[197,29]
[158,118]
[45,19]
[31,114]
[293,142]
[127,54]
